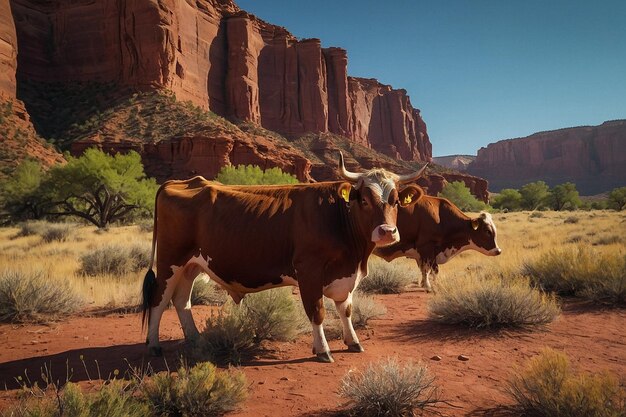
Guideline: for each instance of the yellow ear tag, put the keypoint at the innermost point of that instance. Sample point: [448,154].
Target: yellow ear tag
[407,199]
[475,224]
[345,193]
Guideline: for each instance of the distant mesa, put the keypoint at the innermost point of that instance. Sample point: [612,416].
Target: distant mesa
[592,157]
[457,162]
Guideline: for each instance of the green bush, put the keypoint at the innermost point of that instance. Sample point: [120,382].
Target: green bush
[236,332]
[564,196]
[617,199]
[114,399]
[388,388]
[115,260]
[386,277]
[534,195]
[458,193]
[198,391]
[507,199]
[548,387]
[491,301]
[253,175]
[581,271]
[31,297]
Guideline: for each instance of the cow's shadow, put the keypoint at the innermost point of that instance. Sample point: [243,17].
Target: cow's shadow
[86,364]
[429,330]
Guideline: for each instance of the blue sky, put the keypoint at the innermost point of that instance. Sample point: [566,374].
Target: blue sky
[479,70]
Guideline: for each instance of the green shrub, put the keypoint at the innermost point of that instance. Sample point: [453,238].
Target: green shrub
[252,175]
[115,398]
[388,388]
[386,278]
[31,297]
[198,391]
[548,387]
[205,292]
[115,260]
[581,271]
[236,332]
[458,193]
[491,301]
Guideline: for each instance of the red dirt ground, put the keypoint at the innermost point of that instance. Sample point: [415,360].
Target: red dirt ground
[288,382]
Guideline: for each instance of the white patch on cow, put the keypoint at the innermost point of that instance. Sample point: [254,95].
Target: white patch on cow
[340,289]
[349,335]
[320,345]
[489,221]
[378,240]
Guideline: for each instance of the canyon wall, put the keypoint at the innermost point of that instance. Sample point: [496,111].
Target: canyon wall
[592,157]
[220,58]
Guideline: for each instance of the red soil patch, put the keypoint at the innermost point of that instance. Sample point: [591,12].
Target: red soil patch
[288,382]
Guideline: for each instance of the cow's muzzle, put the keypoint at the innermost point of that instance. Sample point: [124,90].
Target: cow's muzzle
[496,251]
[385,235]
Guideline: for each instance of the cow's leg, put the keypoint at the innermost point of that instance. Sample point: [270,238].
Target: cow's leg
[313,302]
[425,269]
[344,308]
[182,302]
[156,311]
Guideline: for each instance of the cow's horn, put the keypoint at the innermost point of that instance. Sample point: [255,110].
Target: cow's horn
[402,179]
[350,176]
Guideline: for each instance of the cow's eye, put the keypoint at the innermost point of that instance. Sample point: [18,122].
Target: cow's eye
[364,202]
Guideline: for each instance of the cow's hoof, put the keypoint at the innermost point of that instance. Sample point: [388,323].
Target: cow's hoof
[324,357]
[356,348]
[156,351]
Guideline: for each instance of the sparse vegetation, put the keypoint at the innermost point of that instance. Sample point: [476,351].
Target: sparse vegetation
[571,220]
[491,301]
[252,175]
[389,388]
[364,308]
[236,332]
[548,387]
[32,297]
[115,260]
[581,271]
[196,391]
[59,232]
[386,277]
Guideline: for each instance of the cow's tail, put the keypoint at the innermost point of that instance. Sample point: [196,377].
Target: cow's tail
[150,282]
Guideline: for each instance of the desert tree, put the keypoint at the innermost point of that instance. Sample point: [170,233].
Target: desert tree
[534,195]
[20,195]
[564,196]
[508,199]
[617,199]
[458,193]
[100,188]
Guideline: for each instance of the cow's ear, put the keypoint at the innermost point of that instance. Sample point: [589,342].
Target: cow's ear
[409,195]
[346,192]
[475,224]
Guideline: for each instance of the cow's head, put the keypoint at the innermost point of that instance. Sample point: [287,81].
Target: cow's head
[483,235]
[373,198]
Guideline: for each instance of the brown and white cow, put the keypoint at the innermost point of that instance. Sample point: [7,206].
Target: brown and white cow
[251,238]
[433,231]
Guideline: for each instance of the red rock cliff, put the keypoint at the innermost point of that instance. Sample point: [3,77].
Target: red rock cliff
[593,157]
[218,57]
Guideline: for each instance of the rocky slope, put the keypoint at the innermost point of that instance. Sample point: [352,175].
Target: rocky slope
[458,162]
[593,157]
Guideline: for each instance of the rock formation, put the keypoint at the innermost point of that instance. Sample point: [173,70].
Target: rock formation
[592,157]
[220,58]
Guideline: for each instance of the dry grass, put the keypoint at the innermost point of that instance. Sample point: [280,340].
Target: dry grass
[207,293]
[491,301]
[389,388]
[386,277]
[521,241]
[548,387]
